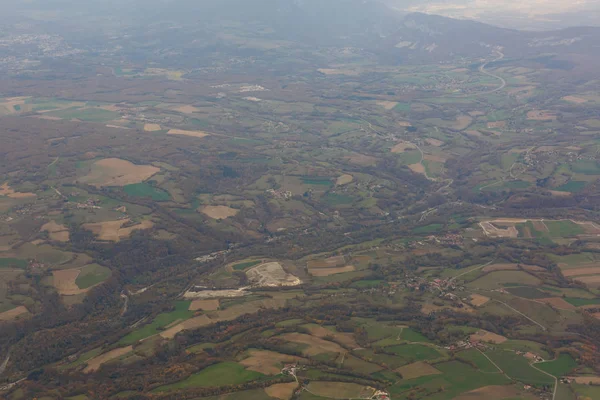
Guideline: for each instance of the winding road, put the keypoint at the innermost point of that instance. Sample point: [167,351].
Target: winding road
[483,71]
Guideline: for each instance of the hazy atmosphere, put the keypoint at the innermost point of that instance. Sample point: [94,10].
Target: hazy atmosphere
[299,200]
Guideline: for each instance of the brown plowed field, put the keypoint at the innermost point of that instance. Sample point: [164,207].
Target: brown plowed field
[417,370]
[582,271]
[558,302]
[281,391]
[117,172]
[204,305]
[489,337]
[267,362]
[12,314]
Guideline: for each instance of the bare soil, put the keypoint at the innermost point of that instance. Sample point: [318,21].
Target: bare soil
[492,393]
[267,362]
[152,127]
[57,232]
[117,172]
[558,302]
[196,134]
[402,147]
[489,337]
[416,370]
[434,142]
[281,391]
[14,313]
[478,300]
[204,305]
[344,179]
[271,274]
[330,271]
[112,231]
[541,115]
[6,190]
[388,105]
[64,282]
[582,271]
[574,99]
[218,212]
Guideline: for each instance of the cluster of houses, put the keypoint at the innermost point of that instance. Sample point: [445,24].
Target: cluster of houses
[279,194]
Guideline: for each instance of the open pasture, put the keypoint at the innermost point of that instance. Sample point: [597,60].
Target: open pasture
[518,368]
[117,172]
[225,373]
[340,390]
[92,275]
[561,366]
[95,363]
[500,279]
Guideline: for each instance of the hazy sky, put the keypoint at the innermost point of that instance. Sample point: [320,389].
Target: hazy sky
[512,12]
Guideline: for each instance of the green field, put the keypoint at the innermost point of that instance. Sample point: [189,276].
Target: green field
[402,107]
[456,378]
[244,265]
[181,312]
[428,229]
[563,364]
[146,190]
[226,373]
[413,336]
[367,283]
[317,180]
[414,352]
[586,167]
[577,302]
[497,279]
[335,199]
[13,263]
[479,360]
[91,275]
[586,391]
[563,228]
[572,186]
[528,292]
[410,157]
[525,346]
[518,368]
